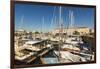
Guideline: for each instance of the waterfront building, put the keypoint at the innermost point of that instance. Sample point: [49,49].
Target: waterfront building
[78,30]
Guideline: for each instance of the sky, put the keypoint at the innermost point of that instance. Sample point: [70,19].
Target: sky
[32,17]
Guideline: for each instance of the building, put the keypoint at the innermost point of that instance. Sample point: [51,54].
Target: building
[80,30]
[91,30]
[83,30]
[20,32]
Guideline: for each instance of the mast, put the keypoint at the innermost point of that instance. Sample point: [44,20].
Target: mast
[71,22]
[22,20]
[42,27]
[60,27]
[52,21]
[53,15]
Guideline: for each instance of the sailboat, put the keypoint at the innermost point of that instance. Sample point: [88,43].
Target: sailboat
[72,39]
[69,50]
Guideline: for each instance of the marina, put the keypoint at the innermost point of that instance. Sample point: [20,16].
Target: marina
[63,42]
[47,52]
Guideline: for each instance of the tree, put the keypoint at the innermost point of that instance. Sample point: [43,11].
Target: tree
[76,33]
[57,34]
[30,33]
[36,32]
